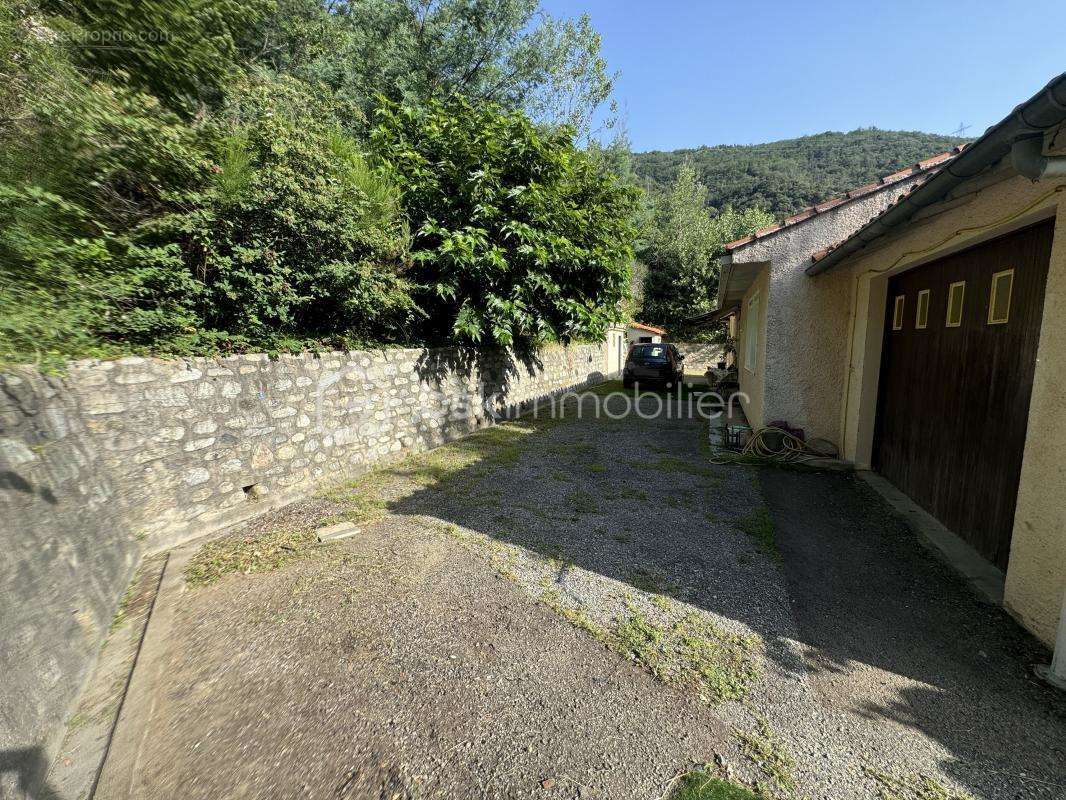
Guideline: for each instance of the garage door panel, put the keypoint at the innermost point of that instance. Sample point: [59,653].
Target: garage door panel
[954,401]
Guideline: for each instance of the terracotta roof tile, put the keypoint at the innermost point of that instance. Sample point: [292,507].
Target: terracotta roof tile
[925,165]
[818,255]
[644,327]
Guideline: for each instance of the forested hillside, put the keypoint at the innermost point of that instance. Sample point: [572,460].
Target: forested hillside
[787,175]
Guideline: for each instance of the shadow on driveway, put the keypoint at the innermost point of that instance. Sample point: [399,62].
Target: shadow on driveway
[882,630]
[875,609]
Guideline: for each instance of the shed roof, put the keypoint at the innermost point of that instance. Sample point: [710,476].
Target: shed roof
[650,328]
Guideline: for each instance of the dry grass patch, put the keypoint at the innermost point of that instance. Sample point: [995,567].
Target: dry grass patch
[247,555]
[918,787]
[691,651]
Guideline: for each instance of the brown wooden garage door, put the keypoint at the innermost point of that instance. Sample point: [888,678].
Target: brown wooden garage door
[956,376]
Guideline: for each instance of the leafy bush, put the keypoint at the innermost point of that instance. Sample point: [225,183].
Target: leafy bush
[519,237]
[80,163]
[181,51]
[294,240]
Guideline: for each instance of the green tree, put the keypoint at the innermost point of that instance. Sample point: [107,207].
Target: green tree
[81,162]
[681,248]
[295,37]
[503,52]
[181,51]
[518,236]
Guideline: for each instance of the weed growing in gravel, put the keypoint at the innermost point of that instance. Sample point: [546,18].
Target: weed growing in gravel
[691,651]
[455,532]
[549,551]
[651,581]
[759,525]
[920,787]
[678,465]
[723,665]
[124,604]
[575,616]
[247,555]
[680,498]
[582,501]
[629,493]
[662,603]
[774,762]
[703,784]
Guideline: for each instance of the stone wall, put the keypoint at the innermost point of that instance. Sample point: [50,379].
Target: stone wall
[700,356]
[121,457]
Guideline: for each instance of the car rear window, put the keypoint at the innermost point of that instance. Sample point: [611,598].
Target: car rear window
[649,352]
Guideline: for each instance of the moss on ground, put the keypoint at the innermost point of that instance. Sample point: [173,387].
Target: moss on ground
[652,581]
[582,502]
[763,749]
[759,525]
[703,784]
[679,466]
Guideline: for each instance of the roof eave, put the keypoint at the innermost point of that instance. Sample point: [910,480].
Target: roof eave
[1041,112]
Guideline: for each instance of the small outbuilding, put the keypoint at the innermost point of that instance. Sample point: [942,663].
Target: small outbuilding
[639,333]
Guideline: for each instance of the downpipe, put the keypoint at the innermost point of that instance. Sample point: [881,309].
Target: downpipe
[1028,159]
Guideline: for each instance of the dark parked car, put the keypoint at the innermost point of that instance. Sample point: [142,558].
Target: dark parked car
[653,363]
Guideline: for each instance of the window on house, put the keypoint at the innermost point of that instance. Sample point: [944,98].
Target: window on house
[956,296]
[897,314]
[921,320]
[751,334]
[999,300]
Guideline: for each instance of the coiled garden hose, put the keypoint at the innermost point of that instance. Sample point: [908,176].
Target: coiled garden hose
[769,445]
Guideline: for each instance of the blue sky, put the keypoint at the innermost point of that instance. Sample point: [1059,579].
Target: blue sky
[714,72]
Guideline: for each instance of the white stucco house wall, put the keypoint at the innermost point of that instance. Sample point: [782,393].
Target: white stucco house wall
[790,335]
[815,313]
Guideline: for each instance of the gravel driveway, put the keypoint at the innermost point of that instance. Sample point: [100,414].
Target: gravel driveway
[587,608]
